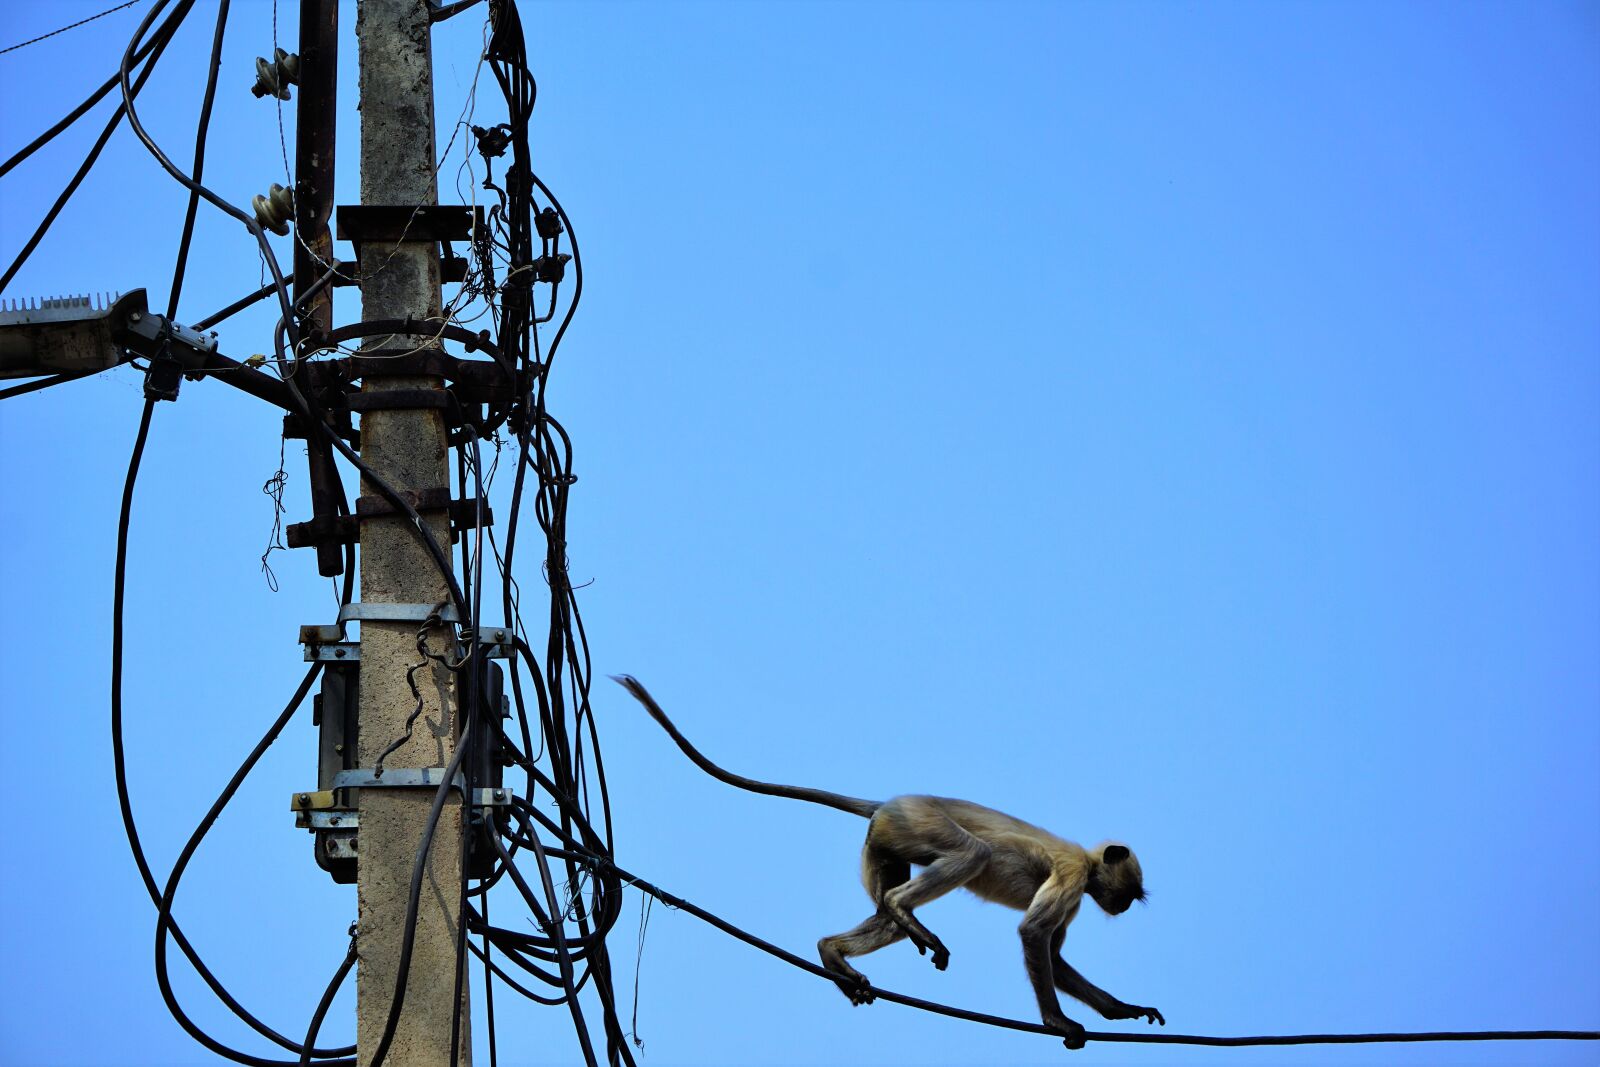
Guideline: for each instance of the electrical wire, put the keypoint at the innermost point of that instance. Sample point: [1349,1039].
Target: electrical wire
[118,757]
[188,181]
[73,26]
[678,903]
[159,42]
[165,923]
[164,907]
[46,382]
[74,115]
[203,126]
[326,1002]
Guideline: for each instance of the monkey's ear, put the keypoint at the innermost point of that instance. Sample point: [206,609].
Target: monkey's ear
[1115,854]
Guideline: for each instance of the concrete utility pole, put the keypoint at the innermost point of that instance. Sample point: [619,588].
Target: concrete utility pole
[406,446]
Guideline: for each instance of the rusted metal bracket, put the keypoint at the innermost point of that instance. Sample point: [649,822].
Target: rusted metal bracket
[346,529]
[395,223]
[403,400]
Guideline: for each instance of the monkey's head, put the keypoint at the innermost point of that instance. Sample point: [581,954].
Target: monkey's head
[1115,880]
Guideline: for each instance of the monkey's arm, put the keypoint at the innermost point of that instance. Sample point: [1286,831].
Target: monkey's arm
[1075,985]
[1047,917]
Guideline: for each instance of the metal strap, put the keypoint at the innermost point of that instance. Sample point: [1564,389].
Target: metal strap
[370,611]
[396,778]
[416,778]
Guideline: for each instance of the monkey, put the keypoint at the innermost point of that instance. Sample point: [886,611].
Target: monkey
[958,844]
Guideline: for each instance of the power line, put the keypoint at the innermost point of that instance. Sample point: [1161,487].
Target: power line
[74,26]
[160,40]
[768,947]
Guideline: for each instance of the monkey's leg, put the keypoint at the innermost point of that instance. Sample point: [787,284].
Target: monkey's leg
[1069,981]
[962,858]
[1047,916]
[875,933]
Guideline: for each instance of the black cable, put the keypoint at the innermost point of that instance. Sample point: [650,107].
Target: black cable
[64,29]
[1038,1028]
[327,1000]
[191,183]
[419,871]
[562,679]
[238,306]
[471,701]
[160,41]
[46,382]
[74,115]
[118,758]
[199,158]
[164,908]
[488,988]
[439,12]
[555,932]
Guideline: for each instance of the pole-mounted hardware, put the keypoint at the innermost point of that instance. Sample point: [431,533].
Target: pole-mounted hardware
[65,334]
[346,529]
[551,268]
[274,78]
[548,224]
[82,335]
[393,223]
[331,811]
[275,210]
[316,122]
[492,142]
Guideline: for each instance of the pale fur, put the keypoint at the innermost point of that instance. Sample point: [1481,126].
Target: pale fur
[959,844]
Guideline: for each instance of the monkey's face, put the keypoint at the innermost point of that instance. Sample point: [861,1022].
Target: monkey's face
[1115,879]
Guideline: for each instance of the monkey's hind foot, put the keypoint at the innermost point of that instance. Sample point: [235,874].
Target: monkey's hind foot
[922,937]
[925,941]
[859,993]
[856,988]
[1072,1033]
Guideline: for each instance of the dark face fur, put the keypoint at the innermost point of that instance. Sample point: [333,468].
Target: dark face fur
[1116,881]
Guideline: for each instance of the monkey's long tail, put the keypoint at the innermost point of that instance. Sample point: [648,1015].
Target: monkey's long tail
[853,805]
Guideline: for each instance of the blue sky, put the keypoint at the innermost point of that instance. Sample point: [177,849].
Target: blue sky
[1170,422]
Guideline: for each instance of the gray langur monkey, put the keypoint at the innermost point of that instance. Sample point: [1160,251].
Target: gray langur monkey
[958,844]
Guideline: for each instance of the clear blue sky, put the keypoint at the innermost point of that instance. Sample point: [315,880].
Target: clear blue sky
[1172,422]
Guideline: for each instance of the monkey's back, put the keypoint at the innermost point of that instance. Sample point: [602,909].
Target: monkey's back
[1022,856]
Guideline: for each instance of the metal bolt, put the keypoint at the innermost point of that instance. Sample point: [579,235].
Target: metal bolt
[338,748]
[334,820]
[303,799]
[338,653]
[134,316]
[499,635]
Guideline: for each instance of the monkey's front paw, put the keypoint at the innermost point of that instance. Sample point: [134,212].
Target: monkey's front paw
[1133,1011]
[1072,1033]
[941,957]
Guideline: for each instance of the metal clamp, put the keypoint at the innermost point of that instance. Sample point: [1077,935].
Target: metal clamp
[322,644]
[413,778]
[396,778]
[369,611]
[329,820]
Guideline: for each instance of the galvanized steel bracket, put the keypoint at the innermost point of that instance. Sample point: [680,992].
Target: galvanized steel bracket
[370,611]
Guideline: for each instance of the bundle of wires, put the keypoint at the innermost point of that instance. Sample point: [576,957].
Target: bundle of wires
[570,888]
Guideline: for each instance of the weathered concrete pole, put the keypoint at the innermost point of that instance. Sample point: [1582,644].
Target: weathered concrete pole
[407,446]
